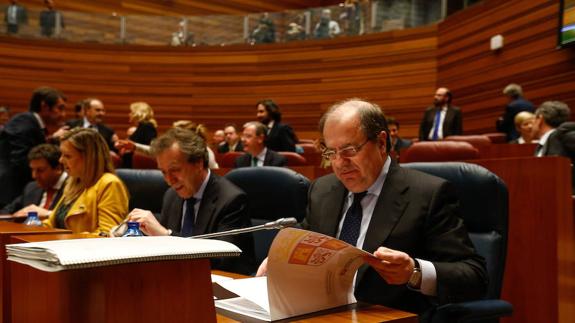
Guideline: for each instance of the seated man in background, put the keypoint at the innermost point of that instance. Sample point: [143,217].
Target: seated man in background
[198,201]
[397,143]
[94,112]
[253,139]
[42,194]
[232,140]
[408,219]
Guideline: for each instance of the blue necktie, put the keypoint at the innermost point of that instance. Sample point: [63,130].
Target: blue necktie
[189,218]
[352,222]
[435,134]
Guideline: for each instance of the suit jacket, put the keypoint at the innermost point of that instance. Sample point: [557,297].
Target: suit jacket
[32,195]
[222,208]
[452,124]
[21,14]
[507,124]
[272,159]
[20,134]
[281,137]
[226,148]
[97,209]
[562,143]
[415,213]
[105,131]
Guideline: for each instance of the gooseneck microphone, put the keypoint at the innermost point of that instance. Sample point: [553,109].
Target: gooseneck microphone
[277,224]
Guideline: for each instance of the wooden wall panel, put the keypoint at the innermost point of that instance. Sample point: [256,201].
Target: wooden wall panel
[477,75]
[216,85]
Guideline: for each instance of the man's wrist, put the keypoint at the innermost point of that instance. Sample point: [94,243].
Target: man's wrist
[414,281]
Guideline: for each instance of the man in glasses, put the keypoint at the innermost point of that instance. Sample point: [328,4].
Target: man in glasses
[407,219]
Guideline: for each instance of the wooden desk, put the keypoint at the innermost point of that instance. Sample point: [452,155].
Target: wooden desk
[160,291]
[7,231]
[364,313]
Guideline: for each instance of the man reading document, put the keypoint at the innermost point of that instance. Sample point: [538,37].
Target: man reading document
[408,219]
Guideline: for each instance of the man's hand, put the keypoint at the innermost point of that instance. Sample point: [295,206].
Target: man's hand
[263,268]
[125,146]
[149,225]
[395,267]
[60,132]
[42,212]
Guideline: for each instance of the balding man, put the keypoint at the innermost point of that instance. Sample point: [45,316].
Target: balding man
[408,219]
[442,119]
[94,112]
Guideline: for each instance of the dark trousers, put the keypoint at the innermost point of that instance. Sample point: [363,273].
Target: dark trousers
[12,29]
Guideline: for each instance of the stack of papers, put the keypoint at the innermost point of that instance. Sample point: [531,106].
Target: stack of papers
[84,253]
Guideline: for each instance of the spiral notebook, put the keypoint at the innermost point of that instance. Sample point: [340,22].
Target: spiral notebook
[60,255]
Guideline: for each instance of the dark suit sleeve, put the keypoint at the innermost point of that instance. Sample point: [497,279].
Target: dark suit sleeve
[288,138]
[23,200]
[458,123]
[461,273]
[234,215]
[423,130]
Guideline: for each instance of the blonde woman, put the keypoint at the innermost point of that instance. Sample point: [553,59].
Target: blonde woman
[142,117]
[94,198]
[524,124]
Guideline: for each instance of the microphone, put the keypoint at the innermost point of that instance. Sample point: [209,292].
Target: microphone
[277,224]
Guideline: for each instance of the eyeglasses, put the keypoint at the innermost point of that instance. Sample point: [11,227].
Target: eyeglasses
[347,152]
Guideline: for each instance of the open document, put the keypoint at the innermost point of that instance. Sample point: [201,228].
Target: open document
[307,272]
[84,253]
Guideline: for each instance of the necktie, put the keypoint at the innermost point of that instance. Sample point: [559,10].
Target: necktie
[189,218]
[435,134]
[49,197]
[352,222]
[538,149]
[254,162]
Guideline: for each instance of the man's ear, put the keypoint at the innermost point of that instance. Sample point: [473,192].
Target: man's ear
[382,138]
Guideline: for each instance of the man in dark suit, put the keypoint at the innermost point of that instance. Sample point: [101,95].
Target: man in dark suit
[50,18]
[397,143]
[257,155]
[408,219]
[42,194]
[23,132]
[516,104]
[14,16]
[555,133]
[94,113]
[232,140]
[280,136]
[198,201]
[442,119]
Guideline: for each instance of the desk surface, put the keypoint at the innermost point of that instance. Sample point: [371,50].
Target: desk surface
[352,313]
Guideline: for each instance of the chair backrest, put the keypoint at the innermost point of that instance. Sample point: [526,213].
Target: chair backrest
[141,161]
[293,159]
[497,137]
[434,151]
[146,188]
[484,208]
[273,193]
[228,159]
[476,141]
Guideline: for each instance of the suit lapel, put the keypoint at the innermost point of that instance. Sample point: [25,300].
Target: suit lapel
[388,210]
[207,207]
[177,203]
[334,202]
[447,122]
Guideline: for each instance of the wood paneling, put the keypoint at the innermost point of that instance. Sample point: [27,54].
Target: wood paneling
[217,85]
[477,75]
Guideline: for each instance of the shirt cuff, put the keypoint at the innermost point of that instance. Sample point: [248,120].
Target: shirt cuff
[428,278]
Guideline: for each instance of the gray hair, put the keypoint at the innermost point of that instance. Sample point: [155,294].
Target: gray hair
[191,144]
[554,113]
[261,129]
[372,119]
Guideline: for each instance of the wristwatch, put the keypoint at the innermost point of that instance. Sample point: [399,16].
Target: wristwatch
[414,281]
